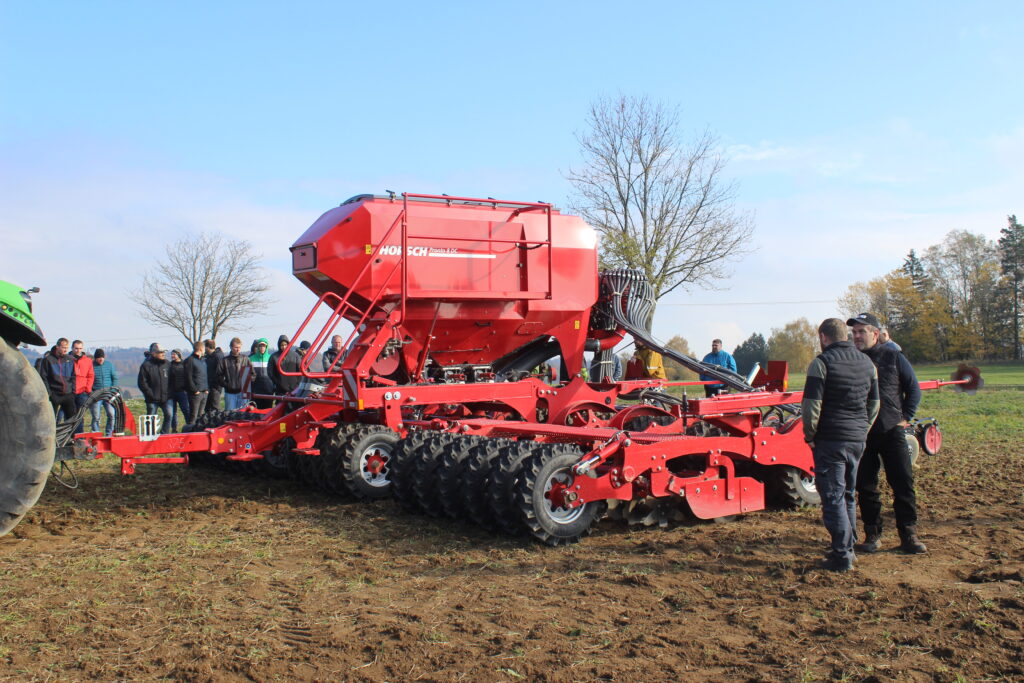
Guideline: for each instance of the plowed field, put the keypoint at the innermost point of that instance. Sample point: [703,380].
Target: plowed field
[198,574]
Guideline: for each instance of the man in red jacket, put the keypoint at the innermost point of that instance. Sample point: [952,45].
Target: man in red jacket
[85,376]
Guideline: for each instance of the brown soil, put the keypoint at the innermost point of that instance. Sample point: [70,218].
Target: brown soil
[201,575]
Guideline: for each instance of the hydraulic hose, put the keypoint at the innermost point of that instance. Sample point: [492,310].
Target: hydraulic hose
[632,301]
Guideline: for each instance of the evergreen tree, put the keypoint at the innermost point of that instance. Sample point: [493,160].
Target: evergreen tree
[914,268]
[1011,257]
[753,350]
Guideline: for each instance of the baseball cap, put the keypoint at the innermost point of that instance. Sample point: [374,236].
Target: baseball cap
[864,319]
[156,348]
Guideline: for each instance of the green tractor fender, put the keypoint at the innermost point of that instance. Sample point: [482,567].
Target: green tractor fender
[17,324]
[27,426]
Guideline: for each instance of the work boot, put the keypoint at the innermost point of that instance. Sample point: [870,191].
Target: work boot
[910,543]
[872,541]
[835,563]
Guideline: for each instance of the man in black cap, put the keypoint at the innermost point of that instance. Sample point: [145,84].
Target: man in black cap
[840,403]
[154,383]
[887,443]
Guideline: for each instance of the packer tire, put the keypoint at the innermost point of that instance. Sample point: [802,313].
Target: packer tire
[366,442]
[425,473]
[792,489]
[448,479]
[502,483]
[28,440]
[403,480]
[546,468]
[476,473]
[324,471]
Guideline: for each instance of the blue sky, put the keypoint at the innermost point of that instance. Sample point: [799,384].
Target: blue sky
[856,132]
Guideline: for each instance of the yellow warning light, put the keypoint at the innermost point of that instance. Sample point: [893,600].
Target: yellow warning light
[369,248]
[360,404]
[284,428]
[220,440]
[576,324]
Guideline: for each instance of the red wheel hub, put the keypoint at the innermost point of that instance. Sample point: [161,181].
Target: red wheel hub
[556,495]
[375,463]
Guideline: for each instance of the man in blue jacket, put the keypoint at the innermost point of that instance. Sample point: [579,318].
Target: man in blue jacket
[722,359]
[106,377]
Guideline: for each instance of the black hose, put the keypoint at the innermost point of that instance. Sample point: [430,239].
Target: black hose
[66,428]
[630,287]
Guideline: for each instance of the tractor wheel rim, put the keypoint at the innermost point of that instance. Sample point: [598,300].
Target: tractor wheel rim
[374,465]
[807,484]
[556,484]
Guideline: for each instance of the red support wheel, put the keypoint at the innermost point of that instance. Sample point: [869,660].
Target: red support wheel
[931,439]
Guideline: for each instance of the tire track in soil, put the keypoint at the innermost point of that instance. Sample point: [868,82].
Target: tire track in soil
[297,633]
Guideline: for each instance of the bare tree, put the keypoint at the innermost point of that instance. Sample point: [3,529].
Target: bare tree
[660,205]
[203,282]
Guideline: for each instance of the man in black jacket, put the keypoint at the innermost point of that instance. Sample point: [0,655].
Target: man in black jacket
[178,390]
[214,359]
[57,369]
[840,403]
[234,372]
[283,384]
[154,382]
[887,442]
[196,381]
[330,354]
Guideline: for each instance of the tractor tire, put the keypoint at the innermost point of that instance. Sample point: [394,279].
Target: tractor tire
[448,479]
[425,474]
[476,473]
[548,469]
[365,461]
[792,489]
[502,483]
[28,439]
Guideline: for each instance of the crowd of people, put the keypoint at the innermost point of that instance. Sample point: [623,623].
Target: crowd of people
[209,380]
[204,381]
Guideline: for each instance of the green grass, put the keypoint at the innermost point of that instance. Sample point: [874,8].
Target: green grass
[996,375]
[994,415]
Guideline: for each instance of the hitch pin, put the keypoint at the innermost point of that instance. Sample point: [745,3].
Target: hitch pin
[584,467]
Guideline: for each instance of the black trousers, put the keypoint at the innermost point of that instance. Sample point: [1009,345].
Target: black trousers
[886,449]
[64,407]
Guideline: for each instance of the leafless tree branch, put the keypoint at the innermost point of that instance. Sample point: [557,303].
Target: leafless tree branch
[660,206]
[202,283]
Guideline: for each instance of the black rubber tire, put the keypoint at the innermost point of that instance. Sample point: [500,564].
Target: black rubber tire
[216,419]
[27,436]
[324,471]
[544,524]
[275,461]
[792,489]
[476,473]
[362,439]
[403,470]
[425,473]
[502,483]
[449,476]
